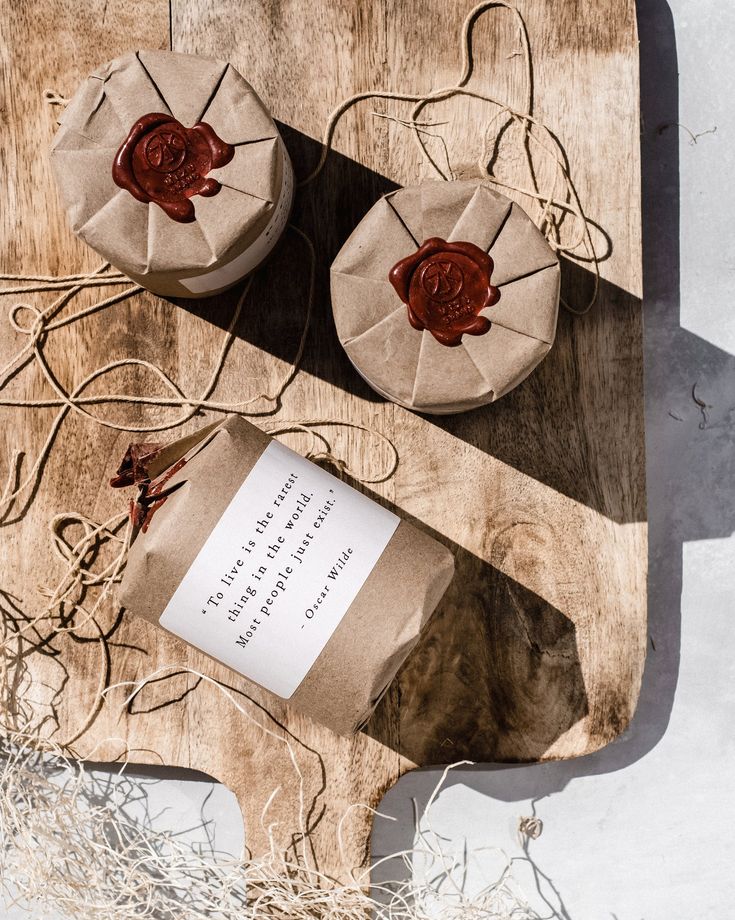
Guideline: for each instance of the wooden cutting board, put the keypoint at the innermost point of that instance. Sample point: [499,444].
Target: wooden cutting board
[536,653]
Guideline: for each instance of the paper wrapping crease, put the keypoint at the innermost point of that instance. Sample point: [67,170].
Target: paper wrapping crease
[411,367]
[139,238]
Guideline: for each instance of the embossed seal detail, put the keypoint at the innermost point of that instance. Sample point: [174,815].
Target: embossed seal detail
[164,162]
[445,287]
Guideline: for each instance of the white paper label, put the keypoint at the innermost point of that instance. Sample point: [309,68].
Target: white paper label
[279,570]
[243,264]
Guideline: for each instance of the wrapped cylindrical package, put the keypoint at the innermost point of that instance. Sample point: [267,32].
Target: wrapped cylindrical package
[276,568]
[445,296]
[170,167]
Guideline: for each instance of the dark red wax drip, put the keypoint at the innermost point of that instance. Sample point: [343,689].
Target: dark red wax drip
[445,287]
[162,161]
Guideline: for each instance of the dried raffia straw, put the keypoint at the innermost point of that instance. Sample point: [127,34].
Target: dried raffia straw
[551,208]
[72,849]
[65,610]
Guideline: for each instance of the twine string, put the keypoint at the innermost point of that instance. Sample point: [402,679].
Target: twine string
[534,135]
[35,324]
[52,97]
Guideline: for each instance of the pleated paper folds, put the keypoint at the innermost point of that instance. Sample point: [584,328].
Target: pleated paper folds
[411,367]
[164,255]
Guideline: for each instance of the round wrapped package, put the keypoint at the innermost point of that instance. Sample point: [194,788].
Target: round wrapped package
[445,296]
[171,168]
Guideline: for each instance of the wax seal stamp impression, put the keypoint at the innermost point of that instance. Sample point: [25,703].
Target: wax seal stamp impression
[164,162]
[445,287]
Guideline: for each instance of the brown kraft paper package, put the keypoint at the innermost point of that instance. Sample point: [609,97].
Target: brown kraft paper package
[409,366]
[232,228]
[211,469]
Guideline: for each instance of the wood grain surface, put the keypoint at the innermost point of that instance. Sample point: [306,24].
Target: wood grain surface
[537,650]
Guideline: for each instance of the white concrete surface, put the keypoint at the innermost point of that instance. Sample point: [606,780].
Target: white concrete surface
[652,840]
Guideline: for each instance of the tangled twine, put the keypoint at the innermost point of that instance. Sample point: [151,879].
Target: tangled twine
[552,208]
[42,323]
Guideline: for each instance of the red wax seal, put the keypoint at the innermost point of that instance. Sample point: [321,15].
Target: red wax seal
[162,161]
[445,287]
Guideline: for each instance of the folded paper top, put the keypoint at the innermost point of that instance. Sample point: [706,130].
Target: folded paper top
[219,142]
[419,259]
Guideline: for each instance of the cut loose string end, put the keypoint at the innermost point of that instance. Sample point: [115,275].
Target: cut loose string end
[53,97]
